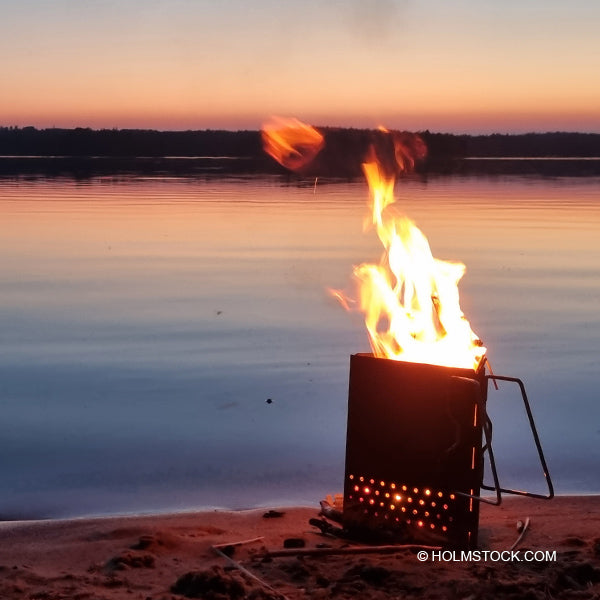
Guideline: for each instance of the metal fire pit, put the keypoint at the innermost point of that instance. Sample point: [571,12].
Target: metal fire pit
[414,451]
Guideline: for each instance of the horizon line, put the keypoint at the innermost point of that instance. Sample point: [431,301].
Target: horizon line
[242,130]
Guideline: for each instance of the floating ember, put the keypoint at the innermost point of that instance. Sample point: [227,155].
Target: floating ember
[290,142]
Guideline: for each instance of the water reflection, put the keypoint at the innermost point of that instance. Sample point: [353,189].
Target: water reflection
[146,321]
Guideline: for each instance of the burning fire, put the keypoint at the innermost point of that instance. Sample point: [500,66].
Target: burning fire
[410,299]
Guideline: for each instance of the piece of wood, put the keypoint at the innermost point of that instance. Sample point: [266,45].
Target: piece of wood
[523,531]
[388,549]
[241,543]
[245,571]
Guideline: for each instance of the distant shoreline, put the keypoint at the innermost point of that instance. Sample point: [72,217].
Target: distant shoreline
[83,152]
[88,167]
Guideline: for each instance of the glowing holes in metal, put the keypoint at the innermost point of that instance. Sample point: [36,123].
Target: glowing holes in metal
[428,508]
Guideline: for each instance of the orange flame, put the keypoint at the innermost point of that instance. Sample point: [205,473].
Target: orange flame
[410,300]
[291,142]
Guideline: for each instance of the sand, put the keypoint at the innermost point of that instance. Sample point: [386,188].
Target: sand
[162,557]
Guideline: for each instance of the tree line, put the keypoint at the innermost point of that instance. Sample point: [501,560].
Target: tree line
[116,150]
[29,141]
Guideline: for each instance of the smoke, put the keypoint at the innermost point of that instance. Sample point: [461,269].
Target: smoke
[375,21]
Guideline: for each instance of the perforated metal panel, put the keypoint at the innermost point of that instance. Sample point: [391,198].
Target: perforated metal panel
[413,451]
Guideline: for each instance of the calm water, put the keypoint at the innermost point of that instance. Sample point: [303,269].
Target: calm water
[145,322]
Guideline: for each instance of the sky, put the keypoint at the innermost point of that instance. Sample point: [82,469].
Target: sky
[460,66]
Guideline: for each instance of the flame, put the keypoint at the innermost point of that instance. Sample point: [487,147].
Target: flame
[410,300]
[291,142]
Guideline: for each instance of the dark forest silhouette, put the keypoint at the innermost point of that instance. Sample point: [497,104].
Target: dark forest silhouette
[84,151]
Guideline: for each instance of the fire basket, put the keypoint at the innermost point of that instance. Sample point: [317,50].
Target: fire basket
[415,450]
[418,427]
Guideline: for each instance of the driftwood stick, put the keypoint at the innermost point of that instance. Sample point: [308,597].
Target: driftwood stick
[389,549]
[240,543]
[525,527]
[245,571]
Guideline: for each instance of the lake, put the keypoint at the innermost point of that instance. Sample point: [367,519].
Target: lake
[146,322]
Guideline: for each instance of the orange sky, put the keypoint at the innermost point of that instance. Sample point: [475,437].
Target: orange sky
[465,66]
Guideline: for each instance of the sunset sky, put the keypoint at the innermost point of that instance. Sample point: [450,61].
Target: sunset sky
[457,66]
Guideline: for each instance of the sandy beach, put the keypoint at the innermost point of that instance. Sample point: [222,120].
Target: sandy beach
[196,555]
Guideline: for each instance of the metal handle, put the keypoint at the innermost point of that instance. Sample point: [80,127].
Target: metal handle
[486,426]
[536,439]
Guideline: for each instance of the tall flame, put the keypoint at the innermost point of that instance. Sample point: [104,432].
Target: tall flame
[410,300]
